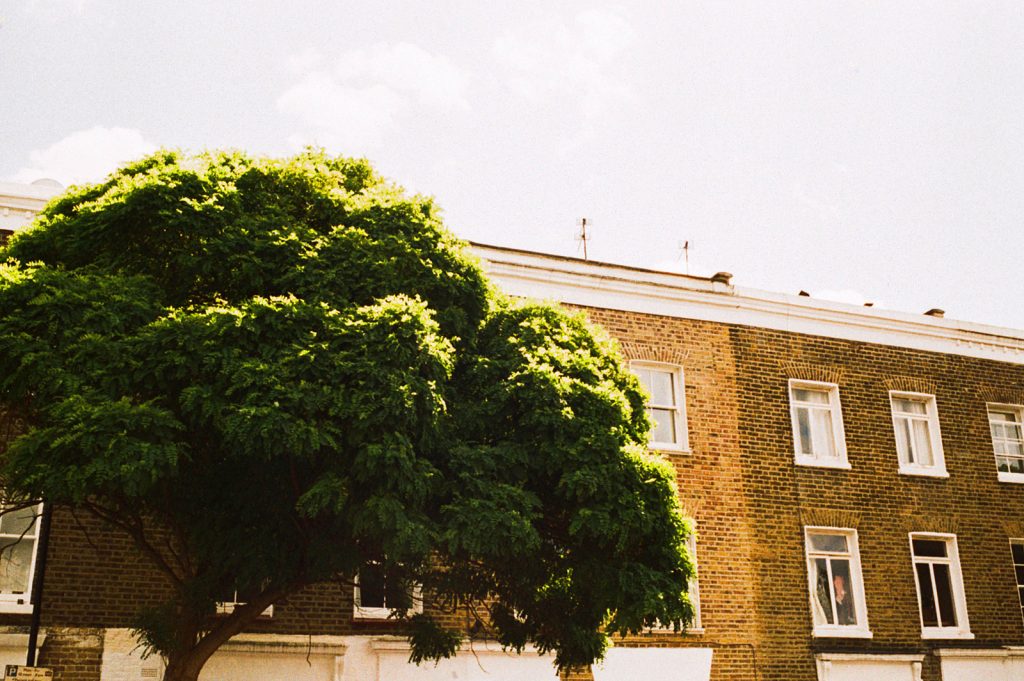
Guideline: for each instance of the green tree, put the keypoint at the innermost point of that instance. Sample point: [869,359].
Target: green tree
[272,373]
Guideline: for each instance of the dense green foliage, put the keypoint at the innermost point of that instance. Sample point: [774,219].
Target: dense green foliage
[271,372]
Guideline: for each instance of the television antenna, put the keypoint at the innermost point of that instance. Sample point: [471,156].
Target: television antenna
[582,235]
[684,253]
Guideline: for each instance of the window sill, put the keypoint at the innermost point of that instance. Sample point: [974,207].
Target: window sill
[668,448]
[818,463]
[1017,478]
[925,472]
[946,633]
[841,632]
[689,631]
[14,608]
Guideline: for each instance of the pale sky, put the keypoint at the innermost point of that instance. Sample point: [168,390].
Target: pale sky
[861,151]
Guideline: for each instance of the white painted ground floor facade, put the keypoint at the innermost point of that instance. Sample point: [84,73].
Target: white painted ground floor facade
[265,657]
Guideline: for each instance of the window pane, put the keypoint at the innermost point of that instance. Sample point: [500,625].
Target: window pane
[1001,415]
[371,587]
[944,590]
[842,589]
[661,388]
[1015,465]
[15,562]
[924,581]
[903,440]
[909,406]
[1019,570]
[833,543]
[803,422]
[664,425]
[922,444]
[18,522]
[824,442]
[810,395]
[1018,553]
[930,548]
[822,594]
[1002,464]
[645,377]
[397,593]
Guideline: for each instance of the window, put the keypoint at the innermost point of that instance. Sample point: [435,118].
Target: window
[379,591]
[818,436]
[1004,421]
[918,442]
[667,407]
[940,587]
[834,578]
[18,539]
[693,586]
[1017,551]
[235,597]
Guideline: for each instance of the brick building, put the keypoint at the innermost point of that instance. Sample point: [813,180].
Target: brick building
[856,477]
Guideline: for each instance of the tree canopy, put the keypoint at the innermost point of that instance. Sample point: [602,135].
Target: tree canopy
[272,373]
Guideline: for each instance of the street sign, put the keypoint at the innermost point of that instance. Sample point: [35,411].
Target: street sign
[16,672]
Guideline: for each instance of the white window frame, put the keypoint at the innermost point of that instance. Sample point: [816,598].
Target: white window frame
[373,613]
[1018,580]
[1018,410]
[22,603]
[931,416]
[838,432]
[963,628]
[693,586]
[861,629]
[679,394]
[228,607]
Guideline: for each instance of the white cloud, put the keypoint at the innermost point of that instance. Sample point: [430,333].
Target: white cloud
[570,60]
[85,155]
[574,64]
[366,93]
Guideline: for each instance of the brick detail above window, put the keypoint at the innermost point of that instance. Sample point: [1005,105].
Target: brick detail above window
[830,517]
[646,352]
[812,372]
[910,384]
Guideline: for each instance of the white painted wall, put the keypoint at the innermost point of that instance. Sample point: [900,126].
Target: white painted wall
[655,664]
[1003,664]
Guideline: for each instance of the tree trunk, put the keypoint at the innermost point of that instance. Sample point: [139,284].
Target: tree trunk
[184,668]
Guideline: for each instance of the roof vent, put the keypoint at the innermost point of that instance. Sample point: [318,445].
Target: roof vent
[936,312]
[722,277]
[805,294]
[869,304]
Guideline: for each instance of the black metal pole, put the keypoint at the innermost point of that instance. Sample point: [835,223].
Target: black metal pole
[37,583]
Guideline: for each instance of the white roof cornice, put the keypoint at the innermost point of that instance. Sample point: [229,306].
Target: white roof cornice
[617,287]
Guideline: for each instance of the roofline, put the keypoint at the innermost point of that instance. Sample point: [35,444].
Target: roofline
[605,285]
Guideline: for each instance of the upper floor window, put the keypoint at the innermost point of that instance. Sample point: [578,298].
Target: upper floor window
[1004,422]
[379,591]
[19,534]
[1017,552]
[667,405]
[837,592]
[818,435]
[940,586]
[915,418]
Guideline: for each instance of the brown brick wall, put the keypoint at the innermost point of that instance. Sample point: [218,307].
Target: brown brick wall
[873,497]
[73,654]
[710,479]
